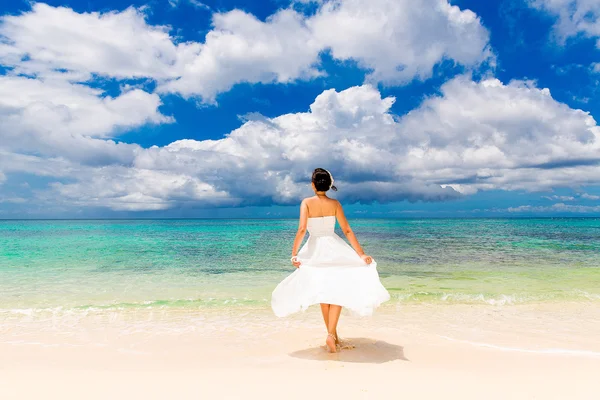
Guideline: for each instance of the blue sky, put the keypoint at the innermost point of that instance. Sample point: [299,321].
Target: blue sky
[184,108]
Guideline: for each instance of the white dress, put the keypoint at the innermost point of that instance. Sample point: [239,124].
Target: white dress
[330,272]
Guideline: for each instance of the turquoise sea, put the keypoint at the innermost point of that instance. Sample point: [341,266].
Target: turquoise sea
[125,264]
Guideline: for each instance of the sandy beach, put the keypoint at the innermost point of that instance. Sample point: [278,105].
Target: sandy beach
[547,351]
[176,175]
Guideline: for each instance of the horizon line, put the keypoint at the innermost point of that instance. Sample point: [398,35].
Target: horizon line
[292,218]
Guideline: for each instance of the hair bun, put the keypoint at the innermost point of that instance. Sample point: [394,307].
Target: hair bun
[322,180]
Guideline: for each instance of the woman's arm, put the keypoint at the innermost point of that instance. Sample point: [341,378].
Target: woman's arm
[301,227]
[339,213]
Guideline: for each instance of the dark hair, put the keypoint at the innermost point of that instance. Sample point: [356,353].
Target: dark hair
[322,180]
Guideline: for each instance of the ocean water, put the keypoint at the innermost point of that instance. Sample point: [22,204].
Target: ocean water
[82,265]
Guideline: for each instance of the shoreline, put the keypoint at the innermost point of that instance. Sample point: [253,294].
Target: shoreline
[550,322]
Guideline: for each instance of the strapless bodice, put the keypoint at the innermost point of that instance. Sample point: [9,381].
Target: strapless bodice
[321,226]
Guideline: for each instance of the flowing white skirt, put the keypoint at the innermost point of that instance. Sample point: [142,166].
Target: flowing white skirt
[331,272]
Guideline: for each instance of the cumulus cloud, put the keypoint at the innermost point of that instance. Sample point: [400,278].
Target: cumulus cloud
[399,40]
[473,136]
[48,51]
[265,161]
[490,135]
[136,189]
[241,48]
[36,165]
[396,40]
[61,119]
[59,42]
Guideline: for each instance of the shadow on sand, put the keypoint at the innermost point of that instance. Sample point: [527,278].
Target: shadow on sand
[363,350]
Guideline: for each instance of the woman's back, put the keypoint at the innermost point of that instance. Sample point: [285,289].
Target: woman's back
[321,206]
[329,270]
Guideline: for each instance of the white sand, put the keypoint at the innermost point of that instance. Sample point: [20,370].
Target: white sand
[417,352]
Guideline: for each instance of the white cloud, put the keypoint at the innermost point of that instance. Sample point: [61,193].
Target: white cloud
[560,198]
[114,186]
[397,40]
[136,189]
[558,207]
[61,43]
[61,119]
[241,48]
[2,178]
[260,163]
[52,115]
[474,136]
[590,196]
[274,156]
[489,135]
[574,17]
[36,165]
[400,40]
[577,196]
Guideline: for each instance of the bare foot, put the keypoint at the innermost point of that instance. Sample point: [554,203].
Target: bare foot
[330,341]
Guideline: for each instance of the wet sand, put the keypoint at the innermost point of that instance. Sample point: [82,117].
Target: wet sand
[547,351]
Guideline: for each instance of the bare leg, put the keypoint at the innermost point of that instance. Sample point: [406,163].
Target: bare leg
[334,316]
[325,312]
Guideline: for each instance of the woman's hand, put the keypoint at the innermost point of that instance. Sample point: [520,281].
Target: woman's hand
[295,262]
[367,259]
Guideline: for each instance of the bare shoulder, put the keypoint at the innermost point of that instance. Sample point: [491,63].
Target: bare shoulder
[339,212]
[306,201]
[315,200]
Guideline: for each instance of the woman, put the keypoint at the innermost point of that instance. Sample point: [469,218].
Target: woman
[329,271]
